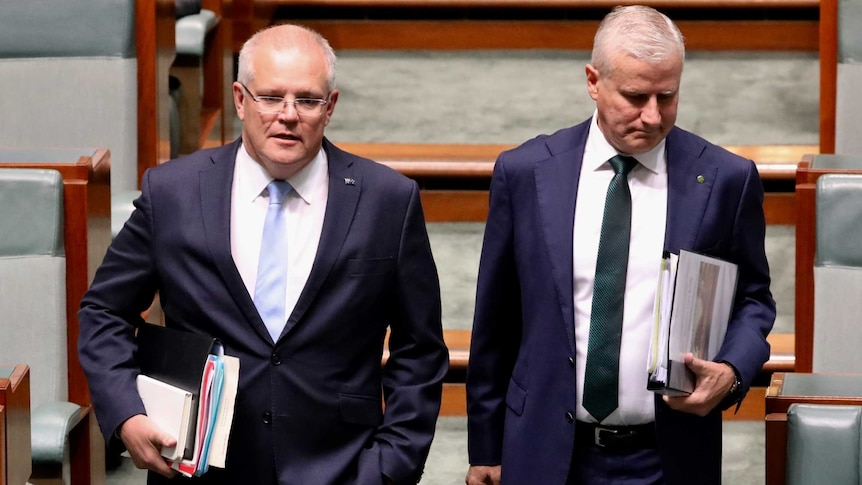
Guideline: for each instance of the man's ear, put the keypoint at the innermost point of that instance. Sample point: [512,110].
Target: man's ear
[238,97]
[592,81]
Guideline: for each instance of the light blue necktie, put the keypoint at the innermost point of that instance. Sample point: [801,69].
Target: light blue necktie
[271,285]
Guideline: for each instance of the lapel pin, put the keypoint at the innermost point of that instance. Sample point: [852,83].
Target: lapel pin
[349,181]
[700,179]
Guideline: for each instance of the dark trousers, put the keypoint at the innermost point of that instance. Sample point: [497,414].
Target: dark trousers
[593,465]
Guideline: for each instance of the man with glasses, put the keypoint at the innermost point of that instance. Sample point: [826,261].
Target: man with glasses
[302,260]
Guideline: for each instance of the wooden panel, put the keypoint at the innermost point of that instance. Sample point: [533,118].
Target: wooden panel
[780,208]
[3,466]
[828,47]
[776,448]
[15,399]
[155,31]
[537,4]
[701,35]
[454,399]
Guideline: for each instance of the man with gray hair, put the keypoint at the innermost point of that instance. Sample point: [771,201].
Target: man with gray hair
[578,222]
[301,259]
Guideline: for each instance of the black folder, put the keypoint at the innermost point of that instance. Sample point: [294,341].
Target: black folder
[178,358]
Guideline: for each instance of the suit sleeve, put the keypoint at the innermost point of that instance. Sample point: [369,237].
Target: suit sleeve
[496,328]
[745,345]
[418,359]
[123,288]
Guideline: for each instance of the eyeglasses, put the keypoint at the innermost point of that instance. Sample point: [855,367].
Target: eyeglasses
[277,104]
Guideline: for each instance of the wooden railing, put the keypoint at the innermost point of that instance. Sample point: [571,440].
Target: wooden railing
[525,24]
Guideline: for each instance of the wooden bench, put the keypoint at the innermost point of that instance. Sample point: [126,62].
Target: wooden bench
[443,170]
[528,24]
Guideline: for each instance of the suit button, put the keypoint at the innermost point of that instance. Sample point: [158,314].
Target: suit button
[570,417]
[267,418]
[275,359]
[572,361]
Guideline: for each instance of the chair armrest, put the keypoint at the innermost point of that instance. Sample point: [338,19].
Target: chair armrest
[50,426]
[191,31]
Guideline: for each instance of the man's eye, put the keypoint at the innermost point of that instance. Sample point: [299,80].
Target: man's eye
[270,101]
[307,102]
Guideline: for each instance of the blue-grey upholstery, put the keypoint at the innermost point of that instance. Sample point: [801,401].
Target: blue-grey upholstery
[848,106]
[823,444]
[838,274]
[33,306]
[191,32]
[68,71]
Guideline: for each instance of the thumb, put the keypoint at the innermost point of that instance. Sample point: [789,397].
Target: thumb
[694,364]
[161,438]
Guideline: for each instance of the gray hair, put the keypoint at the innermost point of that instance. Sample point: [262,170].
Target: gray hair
[638,31]
[285,36]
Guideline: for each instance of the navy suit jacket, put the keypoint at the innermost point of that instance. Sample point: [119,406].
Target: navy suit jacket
[309,406]
[521,384]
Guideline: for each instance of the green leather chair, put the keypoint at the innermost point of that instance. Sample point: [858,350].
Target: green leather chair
[838,273]
[33,309]
[823,444]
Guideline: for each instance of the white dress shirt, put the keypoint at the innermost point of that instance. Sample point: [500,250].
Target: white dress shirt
[648,184]
[305,206]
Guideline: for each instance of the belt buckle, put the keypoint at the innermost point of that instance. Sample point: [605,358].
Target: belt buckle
[598,433]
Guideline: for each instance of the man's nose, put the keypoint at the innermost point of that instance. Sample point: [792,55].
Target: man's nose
[288,112]
[650,114]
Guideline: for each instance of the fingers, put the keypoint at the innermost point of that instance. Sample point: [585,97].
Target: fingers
[713,381]
[483,475]
[144,441]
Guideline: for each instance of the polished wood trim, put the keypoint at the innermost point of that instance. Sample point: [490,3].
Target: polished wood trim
[828,47]
[776,448]
[779,208]
[775,163]
[4,480]
[155,32]
[701,35]
[15,399]
[536,4]
[454,401]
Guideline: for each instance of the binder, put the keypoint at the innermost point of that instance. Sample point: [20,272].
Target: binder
[195,364]
[694,301]
[170,408]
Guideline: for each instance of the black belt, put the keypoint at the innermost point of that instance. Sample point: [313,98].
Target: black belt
[640,436]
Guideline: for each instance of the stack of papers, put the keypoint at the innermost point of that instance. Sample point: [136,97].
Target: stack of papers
[188,387]
[694,301]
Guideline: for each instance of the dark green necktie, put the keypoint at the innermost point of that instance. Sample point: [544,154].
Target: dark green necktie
[601,379]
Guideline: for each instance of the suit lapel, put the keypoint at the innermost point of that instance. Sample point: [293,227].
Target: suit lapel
[690,180]
[556,190]
[215,184]
[344,188]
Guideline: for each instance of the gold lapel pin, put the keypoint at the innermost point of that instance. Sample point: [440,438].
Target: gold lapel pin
[700,179]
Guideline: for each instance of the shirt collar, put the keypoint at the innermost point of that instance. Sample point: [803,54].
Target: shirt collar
[253,178]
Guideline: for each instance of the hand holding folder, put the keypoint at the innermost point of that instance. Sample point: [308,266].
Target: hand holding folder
[694,301]
[188,387]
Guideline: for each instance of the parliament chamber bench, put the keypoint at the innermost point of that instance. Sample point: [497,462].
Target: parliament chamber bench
[454,181]
[528,24]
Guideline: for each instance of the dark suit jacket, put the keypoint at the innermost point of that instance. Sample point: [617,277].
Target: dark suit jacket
[521,379]
[308,409]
